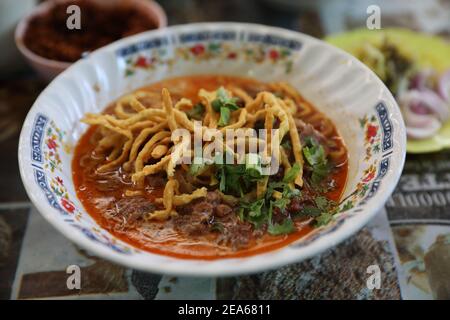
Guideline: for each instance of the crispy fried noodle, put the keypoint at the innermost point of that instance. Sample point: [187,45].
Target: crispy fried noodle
[139,136]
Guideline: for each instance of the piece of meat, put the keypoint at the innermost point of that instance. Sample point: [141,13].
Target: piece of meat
[296,205]
[307,130]
[155,181]
[236,235]
[213,197]
[189,225]
[128,211]
[105,181]
[194,218]
[223,210]
[210,216]
[185,181]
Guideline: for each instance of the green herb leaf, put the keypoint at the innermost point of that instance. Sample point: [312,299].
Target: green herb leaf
[315,154]
[223,99]
[264,207]
[287,145]
[230,178]
[217,226]
[253,166]
[281,203]
[310,212]
[241,212]
[324,219]
[223,181]
[292,173]
[222,94]
[216,105]
[225,115]
[328,209]
[239,177]
[286,227]
[324,203]
[255,212]
[196,112]
[289,193]
[273,185]
[319,173]
[224,104]
[347,206]
[196,169]
[255,208]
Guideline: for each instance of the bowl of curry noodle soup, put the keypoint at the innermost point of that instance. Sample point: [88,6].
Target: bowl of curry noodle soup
[212,149]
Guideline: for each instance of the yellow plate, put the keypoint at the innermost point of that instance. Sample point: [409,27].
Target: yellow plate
[425,50]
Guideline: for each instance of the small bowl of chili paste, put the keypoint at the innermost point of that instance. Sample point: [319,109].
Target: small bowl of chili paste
[50,46]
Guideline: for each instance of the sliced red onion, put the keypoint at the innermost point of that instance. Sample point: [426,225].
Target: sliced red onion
[420,108]
[428,98]
[426,132]
[416,120]
[444,86]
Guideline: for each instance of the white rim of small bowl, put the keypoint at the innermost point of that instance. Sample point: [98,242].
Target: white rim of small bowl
[211,268]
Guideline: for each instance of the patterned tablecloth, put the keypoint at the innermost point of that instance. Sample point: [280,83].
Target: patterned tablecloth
[409,240]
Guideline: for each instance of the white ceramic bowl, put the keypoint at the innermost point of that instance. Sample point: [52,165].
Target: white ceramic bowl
[360,105]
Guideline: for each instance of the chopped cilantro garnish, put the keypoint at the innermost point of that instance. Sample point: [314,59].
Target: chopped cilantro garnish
[292,173]
[237,178]
[319,173]
[347,206]
[287,144]
[328,209]
[323,210]
[196,112]
[224,104]
[197,167]
[260,211]
[324,219]
[281,203]
[223,180]
[314,154]
[224,100]
[254,208]
[310,211]
[287,226]
[254,212]
[225,115]
[253,165]
[322,203]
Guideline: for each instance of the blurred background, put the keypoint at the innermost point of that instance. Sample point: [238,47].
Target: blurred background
[317,18]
